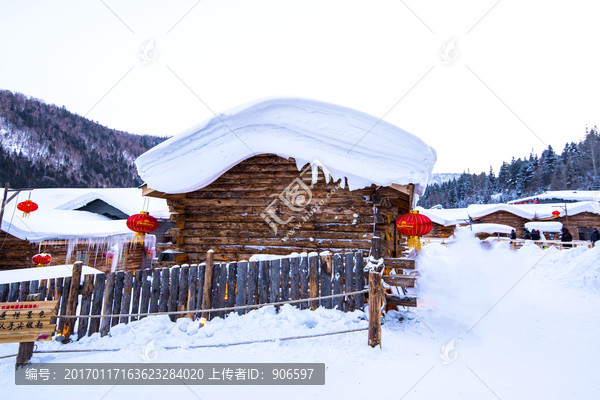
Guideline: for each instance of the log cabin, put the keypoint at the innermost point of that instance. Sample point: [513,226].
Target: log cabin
[283,176]
[71,225]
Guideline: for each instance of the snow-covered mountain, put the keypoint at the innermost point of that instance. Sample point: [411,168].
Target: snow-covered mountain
[440,178]
[42,145]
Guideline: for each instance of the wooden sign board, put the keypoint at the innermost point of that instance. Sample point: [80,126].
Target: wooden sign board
[27,321]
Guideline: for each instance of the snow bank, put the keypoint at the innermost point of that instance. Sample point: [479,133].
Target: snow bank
[347,142]
[544,226]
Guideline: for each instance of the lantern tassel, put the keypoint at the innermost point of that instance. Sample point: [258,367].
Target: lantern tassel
[414,242]
[138,238]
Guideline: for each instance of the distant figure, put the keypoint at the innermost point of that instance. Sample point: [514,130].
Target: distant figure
[595,236]
[535,234]
[513,234]
[526,235]
[566,237]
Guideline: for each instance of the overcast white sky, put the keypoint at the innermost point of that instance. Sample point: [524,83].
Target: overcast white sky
[480,81]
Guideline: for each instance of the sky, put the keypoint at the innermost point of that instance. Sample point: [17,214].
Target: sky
[480,81]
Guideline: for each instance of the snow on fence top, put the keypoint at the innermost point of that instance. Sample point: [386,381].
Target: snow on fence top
[349,143]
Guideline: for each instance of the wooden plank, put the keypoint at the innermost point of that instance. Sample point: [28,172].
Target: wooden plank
[349,281]
[109,294]
[201,276]
[13,328]
[375,290]
[26,337]
[23,290]
[58,289]
[285,278]
[214,290]
[86,305]
[51,288]
[33,286]
[165,276]
[295,278]
[263,282]
[275,280]
[13,293]
[231,285]
[182,300]
[4,289]
[173,292]
[376,248]
[359,280]
[116,309]
[222,288]
[252,283]
[313,280]
[64,299]
[151,293]
[43,289]
[126,302]
[207,286]
[396,300]
[338,269]
[399,263]
[97,301]
[304,281]
[136,293]
[326,268]
[399,280]
[193,290]
[240,296]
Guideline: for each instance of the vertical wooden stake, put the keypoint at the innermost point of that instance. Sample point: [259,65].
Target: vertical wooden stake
[375,291]
[25,351]
[376,247]
[207,283]
[72,301]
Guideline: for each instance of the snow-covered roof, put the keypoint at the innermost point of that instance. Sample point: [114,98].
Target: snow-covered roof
[446,216]
[43,225]
[348,143]
[58,219]
[488,228]
[535,211]
[544,226]
[567,195]
[38,273]
[128,200]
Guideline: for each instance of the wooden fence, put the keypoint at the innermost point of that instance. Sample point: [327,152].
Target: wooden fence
[183,289]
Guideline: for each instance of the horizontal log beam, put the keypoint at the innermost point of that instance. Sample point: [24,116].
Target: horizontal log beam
[400,301]
[399,280]
[400,263]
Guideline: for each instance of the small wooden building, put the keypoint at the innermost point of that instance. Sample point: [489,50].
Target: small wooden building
[282,181]
[71,225]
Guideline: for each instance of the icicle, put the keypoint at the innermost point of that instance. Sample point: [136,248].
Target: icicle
[315,173]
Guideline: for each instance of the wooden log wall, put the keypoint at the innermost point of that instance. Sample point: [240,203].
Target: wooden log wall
[183,288]
[505,218]
[229,215]
[585,220]
[17,253]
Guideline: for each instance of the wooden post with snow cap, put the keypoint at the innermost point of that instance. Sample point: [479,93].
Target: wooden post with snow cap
[375,293]
[72,301]
[207,283]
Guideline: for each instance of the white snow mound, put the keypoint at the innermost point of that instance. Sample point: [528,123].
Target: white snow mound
[348,143]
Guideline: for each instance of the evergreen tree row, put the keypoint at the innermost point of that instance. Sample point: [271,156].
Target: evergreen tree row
[575,168]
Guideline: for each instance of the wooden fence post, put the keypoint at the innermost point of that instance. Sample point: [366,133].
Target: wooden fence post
[72,301]
[25,351]
[376,247]
[206,292]
[375,293]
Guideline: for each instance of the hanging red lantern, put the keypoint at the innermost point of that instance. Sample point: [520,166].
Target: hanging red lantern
[141,224]
[414,225]
[555,213]
[27,207]
[41,259]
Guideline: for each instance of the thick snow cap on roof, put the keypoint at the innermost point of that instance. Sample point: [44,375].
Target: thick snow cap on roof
[348,143]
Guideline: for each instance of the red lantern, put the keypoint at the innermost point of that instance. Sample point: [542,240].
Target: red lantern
[555,213]
[141,224]
[414,225]
[41,259]
[27,206]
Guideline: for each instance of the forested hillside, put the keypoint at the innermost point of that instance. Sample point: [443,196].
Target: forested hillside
[42,145]
[575,168]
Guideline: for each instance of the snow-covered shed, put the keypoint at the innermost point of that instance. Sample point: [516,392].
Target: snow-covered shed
[286,175]
[87,225]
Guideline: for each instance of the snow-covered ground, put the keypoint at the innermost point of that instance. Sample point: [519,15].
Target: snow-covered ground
[492,324]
